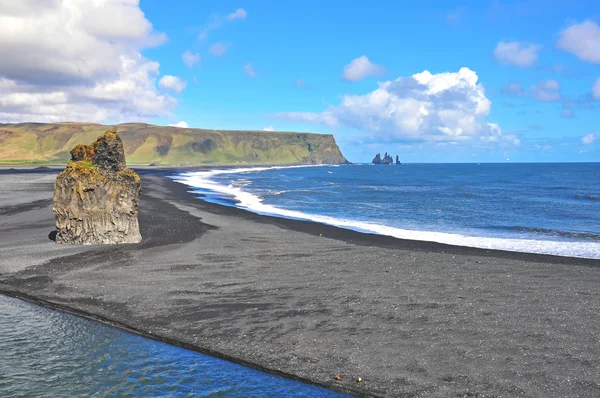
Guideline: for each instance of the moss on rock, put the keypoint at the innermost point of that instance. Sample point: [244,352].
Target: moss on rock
[82,152]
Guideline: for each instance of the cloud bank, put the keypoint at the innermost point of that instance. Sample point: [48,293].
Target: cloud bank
[78,60]
[443,107]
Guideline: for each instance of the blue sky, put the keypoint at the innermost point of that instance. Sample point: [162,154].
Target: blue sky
[507,79]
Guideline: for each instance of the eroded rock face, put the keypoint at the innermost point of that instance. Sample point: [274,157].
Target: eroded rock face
[96,198]
[109,153]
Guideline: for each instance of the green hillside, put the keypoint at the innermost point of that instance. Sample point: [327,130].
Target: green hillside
[42,143]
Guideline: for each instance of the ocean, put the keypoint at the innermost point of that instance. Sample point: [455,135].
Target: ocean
[47,353]
[534,208]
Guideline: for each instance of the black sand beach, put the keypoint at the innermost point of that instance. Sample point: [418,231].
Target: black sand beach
[311,301]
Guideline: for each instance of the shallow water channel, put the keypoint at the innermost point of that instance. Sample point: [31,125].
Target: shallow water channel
[47,353]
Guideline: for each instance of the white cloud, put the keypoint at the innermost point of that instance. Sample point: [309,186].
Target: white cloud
[181,124]
[439,107]
[361,68]
[249,71]
[590,138]
[173,83]
[582,40]
[566,112]
[546,91]
[218,49]
[516,53]
[300,83]
[596,89]
[78,60]
[269,128]
[240,13]
[515,89]
[218,20]
[190,58]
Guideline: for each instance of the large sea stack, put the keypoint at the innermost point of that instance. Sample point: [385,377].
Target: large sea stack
[96,198]
[387,159]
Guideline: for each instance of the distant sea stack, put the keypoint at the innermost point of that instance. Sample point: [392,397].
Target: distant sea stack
[387,159]
[96,198]
[145,144]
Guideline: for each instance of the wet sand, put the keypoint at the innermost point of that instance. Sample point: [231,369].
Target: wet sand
[312,301]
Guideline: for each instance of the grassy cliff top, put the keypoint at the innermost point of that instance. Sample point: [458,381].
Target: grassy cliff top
[145,144]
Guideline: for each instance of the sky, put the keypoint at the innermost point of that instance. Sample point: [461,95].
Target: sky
[431,81]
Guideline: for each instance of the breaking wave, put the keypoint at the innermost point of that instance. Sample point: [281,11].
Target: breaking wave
[231,195]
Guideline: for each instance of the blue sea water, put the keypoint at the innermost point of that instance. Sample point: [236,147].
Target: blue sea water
[46,353]
[538,208]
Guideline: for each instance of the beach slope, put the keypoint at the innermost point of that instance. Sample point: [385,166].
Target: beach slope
[311,301]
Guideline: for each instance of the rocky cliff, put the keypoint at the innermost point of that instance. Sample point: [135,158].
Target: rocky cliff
[96,198]
[145,144]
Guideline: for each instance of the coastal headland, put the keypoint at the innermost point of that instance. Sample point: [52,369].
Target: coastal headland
[147,144]
[311,301]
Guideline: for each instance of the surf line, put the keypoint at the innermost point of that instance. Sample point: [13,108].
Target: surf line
[202,180]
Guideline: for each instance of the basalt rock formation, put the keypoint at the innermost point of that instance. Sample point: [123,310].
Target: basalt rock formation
[96,198]
[387,159]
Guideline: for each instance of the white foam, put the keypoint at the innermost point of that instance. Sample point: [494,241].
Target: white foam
[253,203]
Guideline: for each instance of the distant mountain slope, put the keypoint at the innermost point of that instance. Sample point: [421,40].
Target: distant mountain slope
[42,143]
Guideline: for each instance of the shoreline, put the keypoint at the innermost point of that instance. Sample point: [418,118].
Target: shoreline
[311,300]
[357,229]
